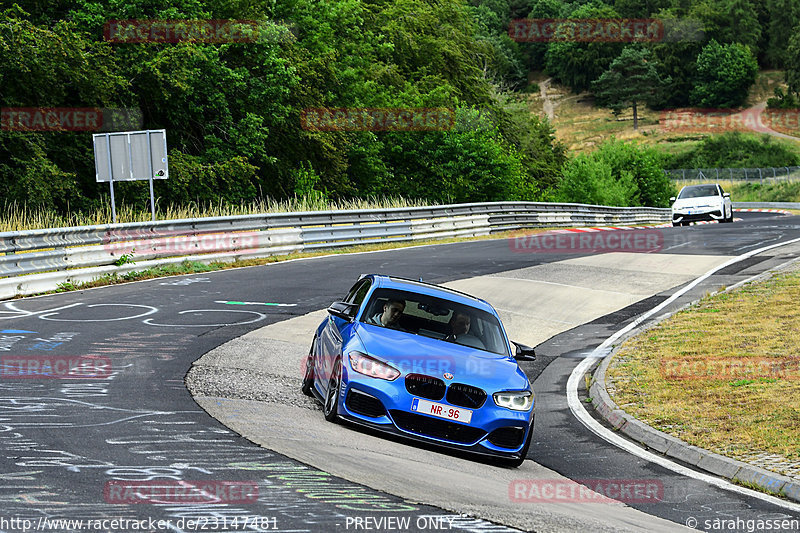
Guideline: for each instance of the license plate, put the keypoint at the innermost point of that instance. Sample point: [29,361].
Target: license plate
[442,411]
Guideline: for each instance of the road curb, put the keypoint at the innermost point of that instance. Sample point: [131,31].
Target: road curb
[665,444]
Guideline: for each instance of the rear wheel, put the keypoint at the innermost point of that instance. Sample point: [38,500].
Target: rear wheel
[331,407]
[308,375]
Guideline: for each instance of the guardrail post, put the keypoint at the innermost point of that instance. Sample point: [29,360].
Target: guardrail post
[760,177]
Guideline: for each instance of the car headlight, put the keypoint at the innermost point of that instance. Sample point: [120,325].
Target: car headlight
[364,364]
[514,400]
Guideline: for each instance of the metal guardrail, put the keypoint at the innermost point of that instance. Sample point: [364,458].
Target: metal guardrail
[766,205]
[68,254]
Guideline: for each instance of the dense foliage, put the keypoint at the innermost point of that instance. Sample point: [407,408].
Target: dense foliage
[234,111]
[618,173]
[737,150]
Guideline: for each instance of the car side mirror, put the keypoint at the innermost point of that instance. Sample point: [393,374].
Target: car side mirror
[523,353]
[343,310]
[726,195]
[671,198]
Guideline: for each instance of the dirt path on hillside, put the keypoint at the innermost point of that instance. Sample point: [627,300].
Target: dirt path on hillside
[548,106]
[753,120]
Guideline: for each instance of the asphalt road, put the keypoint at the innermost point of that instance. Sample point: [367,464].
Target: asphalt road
[101,447]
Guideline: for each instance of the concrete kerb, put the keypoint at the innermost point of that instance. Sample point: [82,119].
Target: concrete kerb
[665,444]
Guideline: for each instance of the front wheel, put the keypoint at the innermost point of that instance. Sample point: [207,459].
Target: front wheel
[331,407]
[523,454]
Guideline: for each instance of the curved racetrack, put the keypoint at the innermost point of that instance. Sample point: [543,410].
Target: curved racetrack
[97,449]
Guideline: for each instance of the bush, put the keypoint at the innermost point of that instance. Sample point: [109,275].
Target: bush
[737,150]
[588,180]
[725,73]
[618,173]
[194,181]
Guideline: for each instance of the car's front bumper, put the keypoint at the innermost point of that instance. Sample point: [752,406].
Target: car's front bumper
[386,407]
[697,215]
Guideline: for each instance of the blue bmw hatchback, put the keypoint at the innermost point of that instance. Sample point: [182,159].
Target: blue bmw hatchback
[424,362]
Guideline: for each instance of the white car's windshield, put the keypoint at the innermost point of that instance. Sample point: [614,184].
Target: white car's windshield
[436,318]
[698,191]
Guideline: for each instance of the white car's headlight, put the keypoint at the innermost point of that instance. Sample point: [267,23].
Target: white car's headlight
[514,400]
[364,364]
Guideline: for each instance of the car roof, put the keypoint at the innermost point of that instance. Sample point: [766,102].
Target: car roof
[429,289]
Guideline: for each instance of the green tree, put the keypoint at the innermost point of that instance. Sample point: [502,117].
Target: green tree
[677,55]
[725,73]
[577,64]
[784,19]
[793,62]
[450,166]
[730,21]
[631,79]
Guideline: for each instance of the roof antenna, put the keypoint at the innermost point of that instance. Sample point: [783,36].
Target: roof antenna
[420,279]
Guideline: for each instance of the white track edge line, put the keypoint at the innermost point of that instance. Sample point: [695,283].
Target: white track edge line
[580,412]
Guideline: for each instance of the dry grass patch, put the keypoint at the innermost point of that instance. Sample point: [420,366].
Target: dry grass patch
[16,217]
[702,375]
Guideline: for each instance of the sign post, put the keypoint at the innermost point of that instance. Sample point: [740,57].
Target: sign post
[130,156]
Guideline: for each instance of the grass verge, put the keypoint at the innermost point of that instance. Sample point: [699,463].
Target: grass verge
[723,374]
[20,217]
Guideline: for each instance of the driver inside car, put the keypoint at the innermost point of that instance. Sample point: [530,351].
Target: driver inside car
[459,331]
[390,317]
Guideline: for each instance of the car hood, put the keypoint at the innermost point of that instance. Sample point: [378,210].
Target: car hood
[416,354]
[702,201]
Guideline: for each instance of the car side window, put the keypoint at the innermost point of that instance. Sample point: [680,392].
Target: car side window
[358,292]
[361,293]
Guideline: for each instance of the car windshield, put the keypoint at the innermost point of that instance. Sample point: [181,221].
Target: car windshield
[698,191]
[435,318]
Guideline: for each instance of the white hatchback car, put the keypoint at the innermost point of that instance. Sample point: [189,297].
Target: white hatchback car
[701,202]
